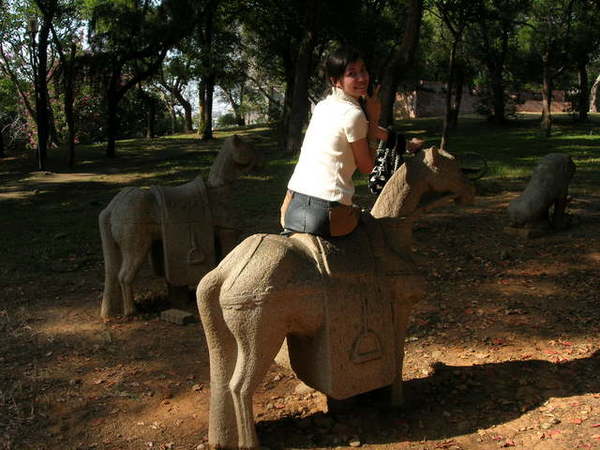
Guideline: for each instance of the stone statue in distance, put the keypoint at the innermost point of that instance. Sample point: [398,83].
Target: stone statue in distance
[186,229]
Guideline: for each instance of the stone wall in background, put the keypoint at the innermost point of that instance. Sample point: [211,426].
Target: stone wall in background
[429,100]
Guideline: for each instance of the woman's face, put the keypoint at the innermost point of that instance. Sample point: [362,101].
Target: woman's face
[355,80]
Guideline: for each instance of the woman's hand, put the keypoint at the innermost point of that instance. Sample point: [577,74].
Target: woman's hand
[373,112]
[373,106]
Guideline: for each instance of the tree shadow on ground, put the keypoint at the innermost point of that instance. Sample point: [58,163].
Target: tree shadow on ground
[452,401]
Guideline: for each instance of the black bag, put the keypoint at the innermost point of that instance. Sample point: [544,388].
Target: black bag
[388,159]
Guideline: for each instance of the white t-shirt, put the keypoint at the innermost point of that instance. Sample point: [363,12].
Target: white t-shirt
[326,163]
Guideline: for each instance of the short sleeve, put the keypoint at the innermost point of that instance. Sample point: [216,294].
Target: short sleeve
[355,125]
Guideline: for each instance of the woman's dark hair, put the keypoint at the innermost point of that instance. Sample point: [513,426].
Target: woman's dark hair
[338,60]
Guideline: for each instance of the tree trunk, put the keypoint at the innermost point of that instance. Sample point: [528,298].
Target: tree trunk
[201,105]
[237,106]
[112,124]
[304,62]
[401,59]
[239,117]
[188,124]
[497,85]
[583,103]
[41,93]
[150,118]
[594,95]
[287,107]
[53,135]
[457,98]
[209,87]
[2,150]
[449,89]
[172,117]
[207,132]
[546,123]
[69,98]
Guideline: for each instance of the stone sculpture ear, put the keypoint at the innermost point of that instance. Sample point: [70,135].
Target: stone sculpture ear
[432,156]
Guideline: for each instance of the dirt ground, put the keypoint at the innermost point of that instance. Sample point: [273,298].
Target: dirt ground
[502,352]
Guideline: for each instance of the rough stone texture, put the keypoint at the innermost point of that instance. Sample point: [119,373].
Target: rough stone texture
[548,186]
[271,287]
[186,223]
[187,219]
[177,316]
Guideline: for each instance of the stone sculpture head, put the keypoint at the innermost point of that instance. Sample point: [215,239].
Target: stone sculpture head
[454,181]
[235,158]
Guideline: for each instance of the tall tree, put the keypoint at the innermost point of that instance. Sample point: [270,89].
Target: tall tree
[24,52]
[491,40]
[65,36]
[216,37]
[304,64]
[550,24]
[130,41]
[284,35]
[400,60]
[40,63]
[583,47]
[594,95]
[174,77]
[457,16]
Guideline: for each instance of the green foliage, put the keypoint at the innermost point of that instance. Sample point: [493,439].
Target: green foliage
[514,149]
[226,120]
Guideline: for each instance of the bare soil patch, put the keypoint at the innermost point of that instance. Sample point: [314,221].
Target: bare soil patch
[503,352]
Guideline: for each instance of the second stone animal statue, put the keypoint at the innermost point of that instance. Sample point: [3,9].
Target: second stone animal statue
[179,226]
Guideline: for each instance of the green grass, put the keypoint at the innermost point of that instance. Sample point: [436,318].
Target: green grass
[513,150]
[52,228]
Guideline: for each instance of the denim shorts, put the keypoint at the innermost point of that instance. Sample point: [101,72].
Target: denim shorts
[306,214]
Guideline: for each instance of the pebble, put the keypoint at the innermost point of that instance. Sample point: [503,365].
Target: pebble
[355,443]
[303,389]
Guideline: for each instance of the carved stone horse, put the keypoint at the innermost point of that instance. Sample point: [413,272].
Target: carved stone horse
[271,287]
[189,218]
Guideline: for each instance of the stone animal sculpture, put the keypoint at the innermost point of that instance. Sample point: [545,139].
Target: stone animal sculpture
[187,227]
[314,292]
[548,186]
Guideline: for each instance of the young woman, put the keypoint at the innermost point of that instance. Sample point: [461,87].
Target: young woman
[341,137]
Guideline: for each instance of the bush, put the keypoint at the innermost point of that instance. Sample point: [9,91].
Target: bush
[226,120]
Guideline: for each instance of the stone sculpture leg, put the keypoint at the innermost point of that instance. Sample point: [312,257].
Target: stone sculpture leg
[400,324]
[257,346]
[222,428]
[405,293]
[112,303]
[133,253]
[242,344]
